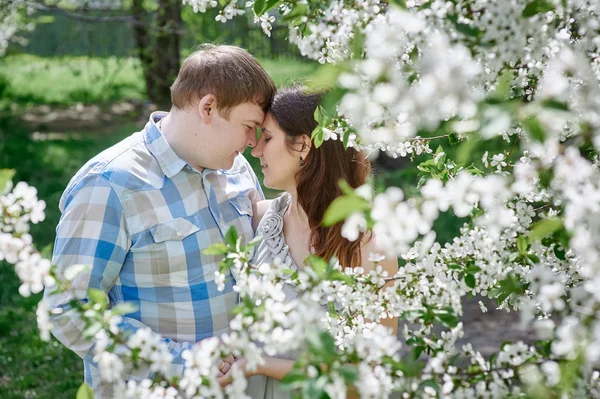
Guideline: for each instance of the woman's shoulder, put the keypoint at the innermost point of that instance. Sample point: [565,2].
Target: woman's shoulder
[260,208]
[278,205]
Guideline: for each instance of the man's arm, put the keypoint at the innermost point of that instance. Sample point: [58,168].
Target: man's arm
[92,231]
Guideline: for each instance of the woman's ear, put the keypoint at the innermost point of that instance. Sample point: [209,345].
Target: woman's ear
[306,145]
[207,107]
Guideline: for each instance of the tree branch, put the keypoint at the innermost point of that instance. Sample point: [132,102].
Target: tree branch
[134,20]
[77,16]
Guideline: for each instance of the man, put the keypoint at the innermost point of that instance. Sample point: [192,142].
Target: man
[141,212]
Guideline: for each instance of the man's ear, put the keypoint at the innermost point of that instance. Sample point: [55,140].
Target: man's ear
[207,107]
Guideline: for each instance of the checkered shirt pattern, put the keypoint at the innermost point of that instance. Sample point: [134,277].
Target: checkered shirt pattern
[141,217]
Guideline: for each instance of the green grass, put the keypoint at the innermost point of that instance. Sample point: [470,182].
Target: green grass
[69,80]
[62,81]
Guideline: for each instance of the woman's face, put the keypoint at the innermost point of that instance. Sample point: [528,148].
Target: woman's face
[279,164]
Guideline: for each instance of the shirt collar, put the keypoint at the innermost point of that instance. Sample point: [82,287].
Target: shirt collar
[169,161]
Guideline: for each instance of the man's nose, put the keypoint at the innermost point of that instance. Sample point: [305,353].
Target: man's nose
[252,139]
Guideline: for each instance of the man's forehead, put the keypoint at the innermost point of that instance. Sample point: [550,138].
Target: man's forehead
[252,113]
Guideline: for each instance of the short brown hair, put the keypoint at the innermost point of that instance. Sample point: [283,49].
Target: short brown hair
[230,73]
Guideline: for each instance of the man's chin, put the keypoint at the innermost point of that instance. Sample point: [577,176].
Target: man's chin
[229,164]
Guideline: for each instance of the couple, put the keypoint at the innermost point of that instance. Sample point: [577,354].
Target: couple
[142,212]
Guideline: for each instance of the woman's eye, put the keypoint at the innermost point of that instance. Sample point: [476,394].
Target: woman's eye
[267,139]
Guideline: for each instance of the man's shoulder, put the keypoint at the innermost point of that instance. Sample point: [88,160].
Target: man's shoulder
[127,163]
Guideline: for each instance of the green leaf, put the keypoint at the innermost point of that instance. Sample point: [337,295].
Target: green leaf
[553,104]
[342,207]
[299,10]
[216,249]
[85,392]
[453,139]
[448,319]
[97,296]
[271,4]
[432,384]
[338,275]
[507,287]
[317,264]
[317,136]
[321,344]
[399,3]
[537,7]
[349,373]
[470,280]
[231,236]
[328,342]
[472,269]
[6,176]
[123,308]
[466,149]
[92,330]
[259,6]
[535,129]
[294,379]
[544,228]
[315,388]
[522,245]
[345,187]
[465,29]
[331,100]
[504,84]
[560,252]
[425,5]
[255,241]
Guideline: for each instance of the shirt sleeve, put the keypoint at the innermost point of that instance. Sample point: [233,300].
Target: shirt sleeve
[92,231]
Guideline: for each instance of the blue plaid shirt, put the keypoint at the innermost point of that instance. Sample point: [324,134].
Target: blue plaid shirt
[141,216]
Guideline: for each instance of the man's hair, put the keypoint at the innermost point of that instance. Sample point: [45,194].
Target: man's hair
[229,72]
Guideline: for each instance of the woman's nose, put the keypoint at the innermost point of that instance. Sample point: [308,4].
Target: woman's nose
[256,153]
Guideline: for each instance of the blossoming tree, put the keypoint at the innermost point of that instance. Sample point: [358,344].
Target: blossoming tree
[412,75]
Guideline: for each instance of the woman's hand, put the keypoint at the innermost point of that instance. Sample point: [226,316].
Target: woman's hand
[227,378]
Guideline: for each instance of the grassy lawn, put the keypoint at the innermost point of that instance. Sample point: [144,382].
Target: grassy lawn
[29,367]
[32,80]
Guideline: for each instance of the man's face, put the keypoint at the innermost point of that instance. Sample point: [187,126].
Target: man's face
[230,136]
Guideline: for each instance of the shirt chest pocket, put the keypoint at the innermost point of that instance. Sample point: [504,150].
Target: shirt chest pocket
[242,219]
[177,249]
[242,216]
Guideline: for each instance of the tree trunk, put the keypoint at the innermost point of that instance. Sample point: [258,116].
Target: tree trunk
[158,46]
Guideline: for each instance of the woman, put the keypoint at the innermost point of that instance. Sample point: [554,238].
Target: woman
[291,224]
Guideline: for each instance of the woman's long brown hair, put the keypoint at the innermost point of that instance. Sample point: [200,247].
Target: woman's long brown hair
[317,180]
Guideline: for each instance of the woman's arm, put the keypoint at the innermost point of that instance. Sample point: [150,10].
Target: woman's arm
[389,265]
[275,367]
